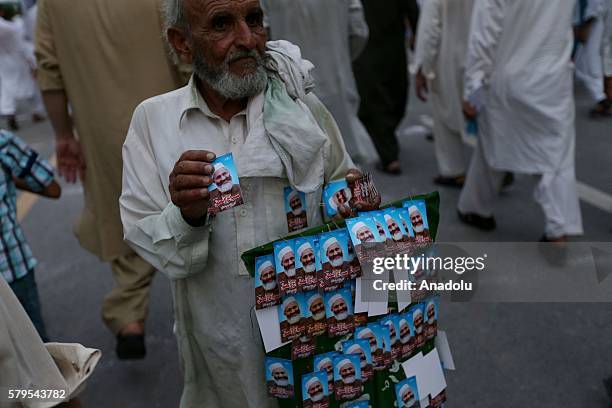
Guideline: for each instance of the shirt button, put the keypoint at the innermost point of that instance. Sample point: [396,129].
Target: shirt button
[244,212]
[233,140]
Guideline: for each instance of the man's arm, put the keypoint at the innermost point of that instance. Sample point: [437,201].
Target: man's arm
[53,190]
[429,37]
[153,225]
[358,29]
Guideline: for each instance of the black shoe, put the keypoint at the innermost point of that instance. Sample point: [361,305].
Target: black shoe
[12,123]
[131,347]
[477,221]
[456,182]
[508,179]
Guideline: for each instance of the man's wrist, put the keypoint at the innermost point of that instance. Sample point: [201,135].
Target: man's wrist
[195,222]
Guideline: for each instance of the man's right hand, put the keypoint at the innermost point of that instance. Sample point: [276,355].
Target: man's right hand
[189,181]
[70,158]
[422,89]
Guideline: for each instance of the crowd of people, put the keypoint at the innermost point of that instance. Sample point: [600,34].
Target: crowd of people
[144,95]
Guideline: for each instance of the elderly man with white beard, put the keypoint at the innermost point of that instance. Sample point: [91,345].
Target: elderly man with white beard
[315,391]
[280,376]
[296,218]
[279,134]
[407,395]
[418,225]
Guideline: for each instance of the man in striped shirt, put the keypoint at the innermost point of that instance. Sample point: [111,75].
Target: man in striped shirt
[22,169]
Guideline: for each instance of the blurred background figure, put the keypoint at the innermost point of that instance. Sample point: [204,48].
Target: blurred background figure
[18,91]
[589,29]
[439,65]
[607,51]
[527,117]
[331,34]
[103,57]
[382,75]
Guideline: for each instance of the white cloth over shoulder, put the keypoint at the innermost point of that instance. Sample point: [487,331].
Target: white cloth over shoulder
[330,34]
[520,51]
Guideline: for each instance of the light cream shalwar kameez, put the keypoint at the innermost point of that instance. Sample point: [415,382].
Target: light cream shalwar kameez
[441,48]
[520,52]
[216,329]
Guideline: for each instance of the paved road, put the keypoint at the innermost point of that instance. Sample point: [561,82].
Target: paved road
[507,354]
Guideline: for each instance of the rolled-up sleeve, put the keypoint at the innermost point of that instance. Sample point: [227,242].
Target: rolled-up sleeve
[48,73]
[428,39]
[24,163]
[153,226]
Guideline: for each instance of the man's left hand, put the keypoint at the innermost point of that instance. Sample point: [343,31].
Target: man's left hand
[352,176]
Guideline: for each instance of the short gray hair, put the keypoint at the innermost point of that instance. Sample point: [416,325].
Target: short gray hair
[174,14]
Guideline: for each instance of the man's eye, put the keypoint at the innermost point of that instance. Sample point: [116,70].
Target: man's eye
[254,19]
[220,23]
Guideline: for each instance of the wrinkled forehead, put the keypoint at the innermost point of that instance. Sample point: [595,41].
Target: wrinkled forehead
[209,8]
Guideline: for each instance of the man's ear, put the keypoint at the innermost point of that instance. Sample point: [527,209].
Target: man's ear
[182,47]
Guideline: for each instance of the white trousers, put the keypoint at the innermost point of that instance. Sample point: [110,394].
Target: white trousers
[449,148]
[556,193]
[589,63]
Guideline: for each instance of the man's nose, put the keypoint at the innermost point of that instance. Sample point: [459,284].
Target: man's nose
[244,36]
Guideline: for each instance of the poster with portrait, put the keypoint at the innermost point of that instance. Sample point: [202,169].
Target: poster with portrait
[336,194]
[279,378]
[364,191]
[315,390]
[359,404]
[354,265]
[362,349]
[416,315]
[339,312]
[359,319]
[348,383]
[406,335]
[225,192]
[367,241]
[286,271]
[316,309]
[439,401]
[291,318]
[383,337]
[307,263]
[417,277]
[407,393]
[266,287]
[303,347]
[334,260]
[325,362]
[431,317]
[396,222]
[376,350]
[391,321]
[417,213]
[295,208]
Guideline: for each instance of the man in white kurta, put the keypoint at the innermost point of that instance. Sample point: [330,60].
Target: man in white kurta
[214,297]
[331,34]
[519,66]
[607,50]
[441,48]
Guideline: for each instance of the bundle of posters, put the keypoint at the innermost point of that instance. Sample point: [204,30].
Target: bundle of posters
[340,196]
[279,378]
[224,192]
[295,208]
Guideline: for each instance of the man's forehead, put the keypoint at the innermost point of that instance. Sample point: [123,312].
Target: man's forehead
[211,7]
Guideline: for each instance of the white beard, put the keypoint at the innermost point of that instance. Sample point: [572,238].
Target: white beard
[397,236]
[290,272]
[419,330]
[294,319]
[310,268]
[342,316]
[319,316]
[419,229]
[282,383]
[337,263]
[269,286]
[349,380]
[297,211]
[405,339]
[410,403]
[431,321]
[317,397]
[364,363]
[224,188]
[330,377]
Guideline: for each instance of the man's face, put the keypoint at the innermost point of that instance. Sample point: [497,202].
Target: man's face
[317,308]
[431,312]
[329,368]
[404,332]
[295,203]
[334,253]
[392,332]
[340,309]
[394,230]
[416,219]
[407,398]
[347,372]
[340,197]
[280,376]
[288,261]
[371,338]
[418,320]
[365,235]
[292,312]
[308,257]
[223,179]
[267,276]
[223,37]
[315,390]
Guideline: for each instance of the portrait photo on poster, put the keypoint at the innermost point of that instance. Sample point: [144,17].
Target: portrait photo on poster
[266,287]
[225,192]
[336,194]
[279,378]
[295,208]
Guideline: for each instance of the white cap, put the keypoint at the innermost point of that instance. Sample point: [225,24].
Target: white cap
[304,247]
[265,265]
[417,312]
[218,166]
[365,332]
[388,218]
[431,304]
[331,241]
[289,300]
[292,194]
[354,348]
[322,362]
[403,322]
[413,209]
[344,362]
[274,366]
[312,381]
[286,250]
[313,298]
[358,226]
[334,299]
[404,389]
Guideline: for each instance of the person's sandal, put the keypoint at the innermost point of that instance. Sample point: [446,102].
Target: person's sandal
[394,168]
[477,221]
[457,182]
[603,109]
[131,347]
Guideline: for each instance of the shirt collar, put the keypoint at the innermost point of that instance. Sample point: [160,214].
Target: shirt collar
[193,100]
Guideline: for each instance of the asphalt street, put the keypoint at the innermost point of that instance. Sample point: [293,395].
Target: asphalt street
[507,355]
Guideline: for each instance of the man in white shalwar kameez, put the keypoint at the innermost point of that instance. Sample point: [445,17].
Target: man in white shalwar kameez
[519,68]
[439,63]
[331,34]
[590,29]
[279,135]
[607,51]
